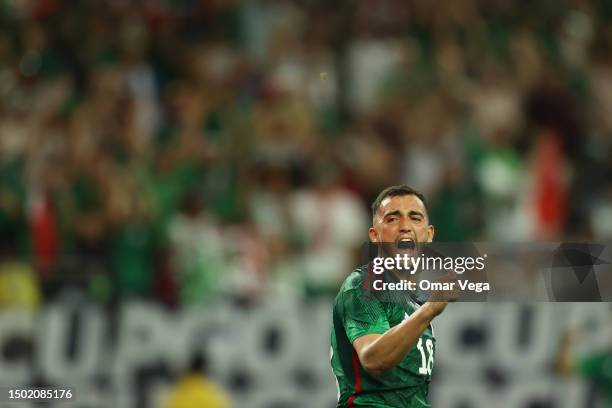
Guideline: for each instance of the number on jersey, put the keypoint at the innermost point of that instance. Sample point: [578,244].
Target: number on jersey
[426,362]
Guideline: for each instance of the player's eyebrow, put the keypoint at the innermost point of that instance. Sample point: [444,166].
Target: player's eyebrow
[398,212]
[390,213]
[411,213]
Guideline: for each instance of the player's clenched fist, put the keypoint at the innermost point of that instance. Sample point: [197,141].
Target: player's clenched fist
[439,299]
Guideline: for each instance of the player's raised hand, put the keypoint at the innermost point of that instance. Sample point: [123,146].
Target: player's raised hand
[448,292]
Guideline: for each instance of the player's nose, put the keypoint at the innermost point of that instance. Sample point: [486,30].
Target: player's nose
[404,225]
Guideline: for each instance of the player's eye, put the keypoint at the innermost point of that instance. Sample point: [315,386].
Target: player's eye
[392,218]
[416,218]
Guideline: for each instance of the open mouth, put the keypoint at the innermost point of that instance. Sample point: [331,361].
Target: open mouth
[406,243]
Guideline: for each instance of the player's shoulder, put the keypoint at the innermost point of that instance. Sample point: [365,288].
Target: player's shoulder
[352,286]
[354,298]
[354,280]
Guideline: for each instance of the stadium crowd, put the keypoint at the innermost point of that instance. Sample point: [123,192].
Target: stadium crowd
[181,150]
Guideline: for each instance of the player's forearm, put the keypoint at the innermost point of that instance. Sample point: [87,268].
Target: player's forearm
[391,348]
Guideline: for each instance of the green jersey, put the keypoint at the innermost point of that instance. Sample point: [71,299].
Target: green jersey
[358,312]
[597,368]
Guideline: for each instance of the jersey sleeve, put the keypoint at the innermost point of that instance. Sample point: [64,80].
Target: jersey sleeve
[593,366]
[361,315]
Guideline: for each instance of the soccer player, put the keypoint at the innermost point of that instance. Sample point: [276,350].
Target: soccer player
[383,352]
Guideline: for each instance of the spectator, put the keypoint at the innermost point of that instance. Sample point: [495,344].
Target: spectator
[195,390]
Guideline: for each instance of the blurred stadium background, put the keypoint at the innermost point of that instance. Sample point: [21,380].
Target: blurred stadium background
[187,182]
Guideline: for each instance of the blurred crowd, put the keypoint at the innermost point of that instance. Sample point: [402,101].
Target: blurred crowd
[182,150]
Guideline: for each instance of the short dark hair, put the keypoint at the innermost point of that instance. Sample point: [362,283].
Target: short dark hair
[395,191]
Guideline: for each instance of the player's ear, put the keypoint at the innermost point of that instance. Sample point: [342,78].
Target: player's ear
[373,234]
[431,231]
